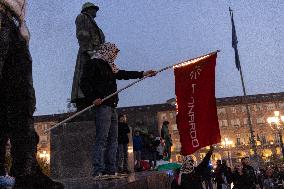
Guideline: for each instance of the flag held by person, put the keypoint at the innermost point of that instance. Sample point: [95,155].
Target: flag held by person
[197,119]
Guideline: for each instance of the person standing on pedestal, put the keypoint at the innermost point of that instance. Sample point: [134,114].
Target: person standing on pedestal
[123,140]
[17,100]
[89,37]
[97,82]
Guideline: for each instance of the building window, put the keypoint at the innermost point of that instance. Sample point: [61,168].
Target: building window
[233,110]
[259,107]
[235,122]
[223,123]
[263,139]
[260,120]
[281,106]
[172,115]
[43,139]
[245,121]
[163,116]
[270,106]
[174,126]
[277,138]
[238,139]
[221,111]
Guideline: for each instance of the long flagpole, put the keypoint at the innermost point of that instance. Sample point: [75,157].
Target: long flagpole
[239,67]
[253,142]
[190,61]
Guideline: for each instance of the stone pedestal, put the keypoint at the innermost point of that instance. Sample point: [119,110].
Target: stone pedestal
[71,161]
[71,150]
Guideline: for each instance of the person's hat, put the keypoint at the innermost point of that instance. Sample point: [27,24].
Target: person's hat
[89,5]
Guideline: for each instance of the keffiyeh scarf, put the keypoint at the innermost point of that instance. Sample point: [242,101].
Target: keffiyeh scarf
[107,52]
[187,165]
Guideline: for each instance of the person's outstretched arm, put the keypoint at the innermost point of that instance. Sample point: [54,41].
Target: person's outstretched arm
[205,162]
[123,74]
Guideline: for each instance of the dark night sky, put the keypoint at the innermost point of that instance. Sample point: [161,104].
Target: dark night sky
[154,34]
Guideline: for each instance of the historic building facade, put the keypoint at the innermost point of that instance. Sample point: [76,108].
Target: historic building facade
[233,124]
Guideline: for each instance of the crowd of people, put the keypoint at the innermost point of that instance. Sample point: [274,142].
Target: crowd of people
[148,147]
[242,176]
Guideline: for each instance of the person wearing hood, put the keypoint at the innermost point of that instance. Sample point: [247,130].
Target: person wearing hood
[17,100]
[190,177]
[97,82]
[89,37]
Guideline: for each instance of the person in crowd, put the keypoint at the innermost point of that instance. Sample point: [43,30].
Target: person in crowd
[123,140]
[165,134]
[89,37]
[97,82]
[17,100]
[160,149]
[217,174]
[269,181]
[153,144]
[249,178]
[137,148]
[190,177]
[223,175]
[238,177]
[208,177]
[280,176]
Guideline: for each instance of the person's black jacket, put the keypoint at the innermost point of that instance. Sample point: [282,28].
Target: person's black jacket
[250,177]
[123,130]
[98,81]
[239,181]
[194,179]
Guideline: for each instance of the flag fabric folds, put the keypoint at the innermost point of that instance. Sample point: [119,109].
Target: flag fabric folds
[197,119]
[235,41]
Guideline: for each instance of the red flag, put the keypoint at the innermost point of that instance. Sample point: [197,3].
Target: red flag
[197,119]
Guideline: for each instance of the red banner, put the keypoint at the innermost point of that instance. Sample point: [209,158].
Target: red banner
[197,119]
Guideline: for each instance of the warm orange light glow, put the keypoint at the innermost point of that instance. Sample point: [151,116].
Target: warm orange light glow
[191,61]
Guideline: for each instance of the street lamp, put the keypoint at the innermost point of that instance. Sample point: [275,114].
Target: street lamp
[276,122]
[227,144]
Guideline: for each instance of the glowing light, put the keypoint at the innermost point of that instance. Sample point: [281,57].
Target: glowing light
[276,121]
[186,63]
[276,113]
[130,149]
[44,155]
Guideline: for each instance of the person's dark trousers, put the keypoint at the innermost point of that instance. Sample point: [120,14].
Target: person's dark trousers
[105,147]
[17,105]
[3,142]
[122,157]
[153,158]
[17,102]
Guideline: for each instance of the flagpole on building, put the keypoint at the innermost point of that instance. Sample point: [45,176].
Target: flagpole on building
[190,61]
[239,67]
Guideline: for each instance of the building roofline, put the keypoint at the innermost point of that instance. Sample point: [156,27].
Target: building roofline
[226,101]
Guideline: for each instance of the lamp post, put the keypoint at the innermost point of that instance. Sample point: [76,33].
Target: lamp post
[227,144]
[276,122]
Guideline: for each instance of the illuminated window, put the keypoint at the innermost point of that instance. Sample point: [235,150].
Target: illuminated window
[260,120]
[281,106]
[223,123]
[245,121]
[221,111]
[270,106]
[233,109]
[235,122]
